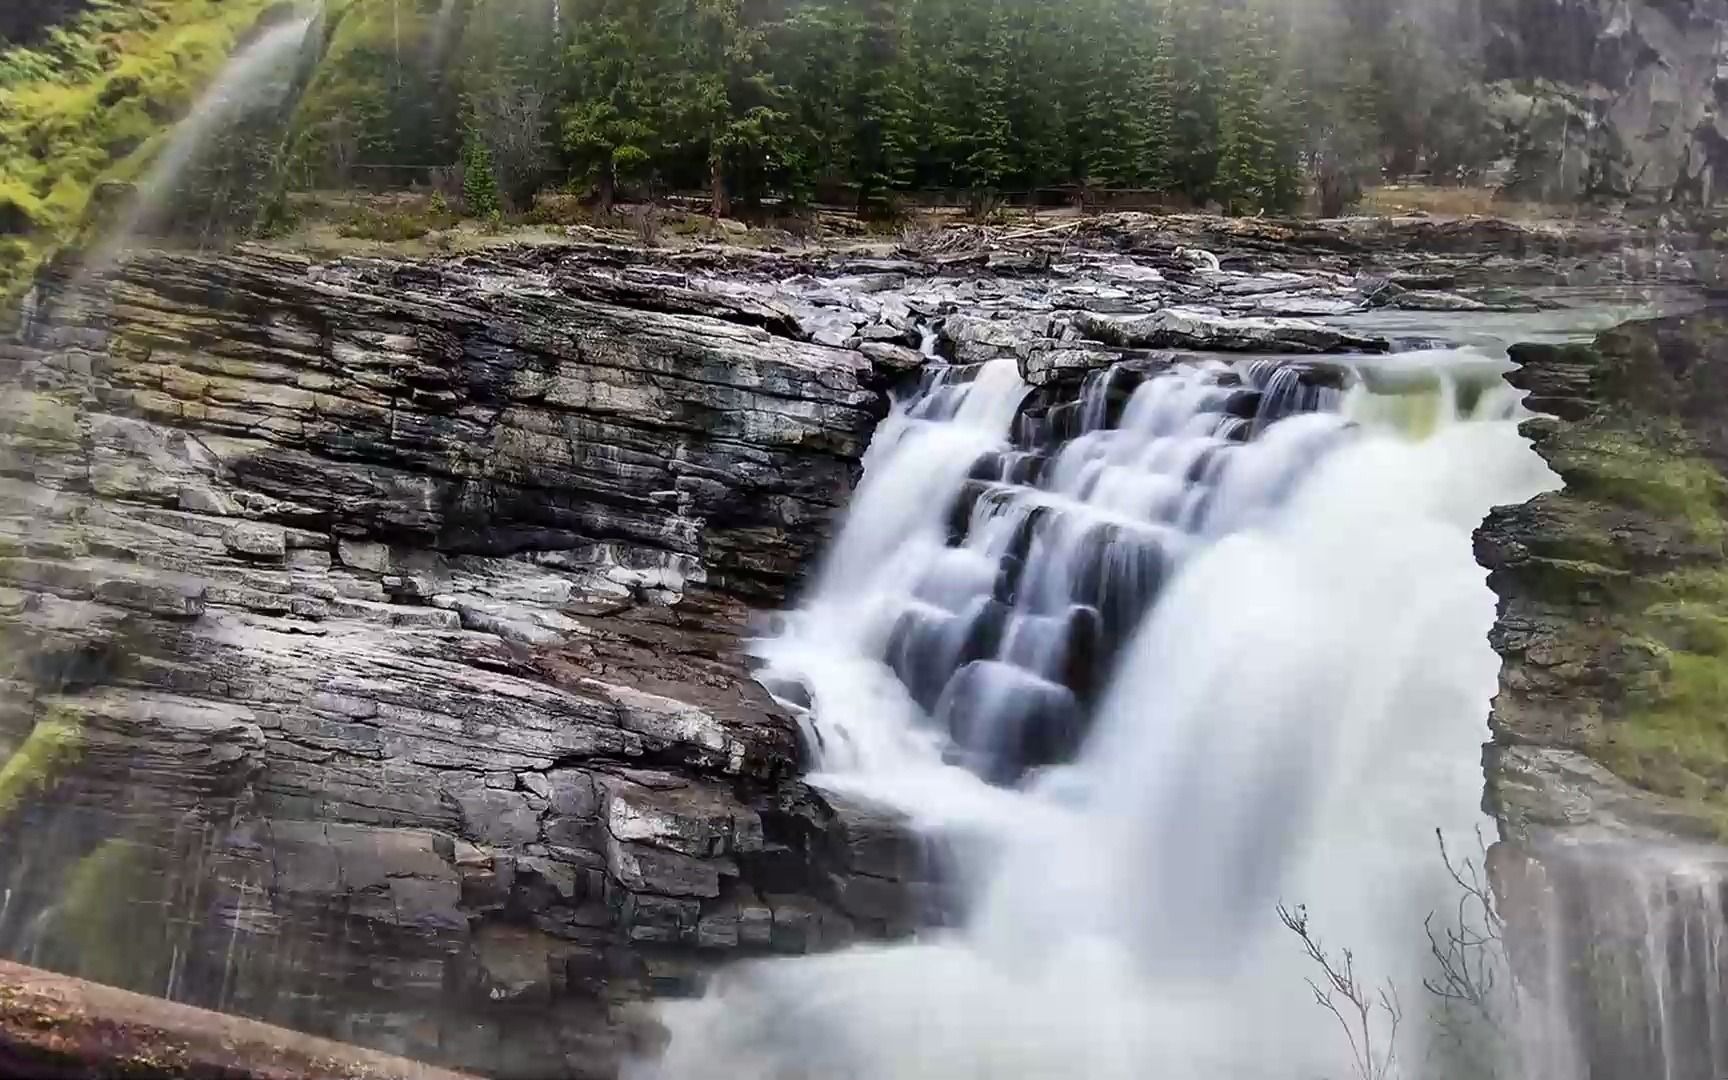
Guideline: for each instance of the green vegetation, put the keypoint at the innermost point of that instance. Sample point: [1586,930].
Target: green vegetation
[1649,470]
[406,222]
[1668,630]
[52,743]
[1238,103]
[479,181]
[1241,103]
[1672,736]
[86,103]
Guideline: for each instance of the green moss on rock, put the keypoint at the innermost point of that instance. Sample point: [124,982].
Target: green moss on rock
[1619,583]
[54,742]
[102,927]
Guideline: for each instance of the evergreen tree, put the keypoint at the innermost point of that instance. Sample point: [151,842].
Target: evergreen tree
[1111,143]
[880,137]
[479,183]
[815,59]
[988,153]
[1245,146]
[1034,40]
[1234,100]
[1160,107]
[1194,149]
[611,128]
[722,100]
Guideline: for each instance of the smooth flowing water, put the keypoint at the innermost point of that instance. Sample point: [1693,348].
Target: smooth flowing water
[1623,953]
[1205,640]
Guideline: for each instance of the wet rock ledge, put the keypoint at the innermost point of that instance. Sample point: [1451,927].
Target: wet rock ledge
[1614,591]
[371,651]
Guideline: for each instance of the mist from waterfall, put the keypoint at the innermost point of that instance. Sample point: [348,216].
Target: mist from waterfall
[1301,708]
[243,83]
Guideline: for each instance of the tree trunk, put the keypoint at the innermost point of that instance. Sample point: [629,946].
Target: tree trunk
[608,191]
[717,187]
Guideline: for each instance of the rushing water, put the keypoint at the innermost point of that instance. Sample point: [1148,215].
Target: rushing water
[1205,640]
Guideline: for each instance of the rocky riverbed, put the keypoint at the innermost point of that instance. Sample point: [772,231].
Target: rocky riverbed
[373,626]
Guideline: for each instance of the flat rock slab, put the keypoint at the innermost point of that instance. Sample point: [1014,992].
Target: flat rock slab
[55,1026]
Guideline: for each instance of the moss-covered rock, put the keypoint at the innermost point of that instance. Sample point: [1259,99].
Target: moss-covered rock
[51,745]
[1614,590]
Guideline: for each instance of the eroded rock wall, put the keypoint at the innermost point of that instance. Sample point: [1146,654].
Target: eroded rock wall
[1609,767]
[371,650]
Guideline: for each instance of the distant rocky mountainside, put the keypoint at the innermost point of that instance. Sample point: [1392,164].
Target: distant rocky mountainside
[1616,96]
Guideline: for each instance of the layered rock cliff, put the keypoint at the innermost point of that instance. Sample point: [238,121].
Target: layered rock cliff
[1614,590]
[371,650]
[1609,767]
[372,628]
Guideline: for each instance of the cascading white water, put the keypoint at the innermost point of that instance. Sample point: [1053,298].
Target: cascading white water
[1300,709]
[1623,951]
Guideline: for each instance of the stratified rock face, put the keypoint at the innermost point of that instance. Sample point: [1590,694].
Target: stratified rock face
[1613,95]
[1610,753]
[1614,591]
[370,641]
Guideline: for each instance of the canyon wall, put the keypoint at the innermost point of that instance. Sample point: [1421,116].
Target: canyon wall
[371,643]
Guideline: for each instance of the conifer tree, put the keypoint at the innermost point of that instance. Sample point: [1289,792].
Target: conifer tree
[479,183]
[616,70]
[1160,105]
[880,143]
[1245,145]
[988,157]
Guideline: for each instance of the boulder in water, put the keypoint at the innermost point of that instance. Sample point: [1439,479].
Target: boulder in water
[1205,331]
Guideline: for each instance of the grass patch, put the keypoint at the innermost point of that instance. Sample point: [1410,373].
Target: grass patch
[90,104]
[403,221]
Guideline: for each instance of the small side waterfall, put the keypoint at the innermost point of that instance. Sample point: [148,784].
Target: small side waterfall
[1623,949]
[1163,650]
[255,76]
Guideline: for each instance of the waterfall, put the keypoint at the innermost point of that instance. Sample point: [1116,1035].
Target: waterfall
[1622,946]
[1197,640]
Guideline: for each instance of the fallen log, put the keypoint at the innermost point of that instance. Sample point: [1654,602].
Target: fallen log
[56,1027]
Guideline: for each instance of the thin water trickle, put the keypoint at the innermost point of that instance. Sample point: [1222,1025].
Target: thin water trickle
[1625,956]
[247,77]
[1209,638]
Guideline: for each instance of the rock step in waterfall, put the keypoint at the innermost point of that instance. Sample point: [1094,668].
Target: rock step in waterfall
[1057,544]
